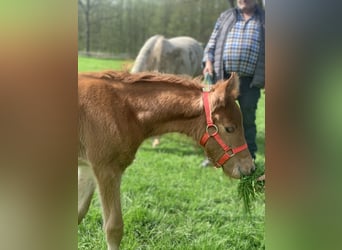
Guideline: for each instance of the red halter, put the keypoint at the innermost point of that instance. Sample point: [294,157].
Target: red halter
[228,151]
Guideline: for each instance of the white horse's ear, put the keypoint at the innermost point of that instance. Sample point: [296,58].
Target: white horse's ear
[223,89]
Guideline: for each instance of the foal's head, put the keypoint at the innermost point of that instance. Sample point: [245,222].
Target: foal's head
[224,140]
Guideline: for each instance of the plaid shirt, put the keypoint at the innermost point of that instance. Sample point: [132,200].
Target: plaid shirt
[241,48]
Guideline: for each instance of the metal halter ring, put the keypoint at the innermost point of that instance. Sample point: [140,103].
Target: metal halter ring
[215,129]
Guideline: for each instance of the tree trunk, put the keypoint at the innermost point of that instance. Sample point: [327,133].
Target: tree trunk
[87,22]
[86,10]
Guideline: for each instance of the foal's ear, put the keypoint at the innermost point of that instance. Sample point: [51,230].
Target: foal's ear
[233,85]
[223,89]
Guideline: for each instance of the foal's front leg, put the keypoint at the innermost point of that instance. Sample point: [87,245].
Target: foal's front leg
[109,181]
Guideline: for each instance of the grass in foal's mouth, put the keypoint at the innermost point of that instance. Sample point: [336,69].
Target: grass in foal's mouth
[248,189]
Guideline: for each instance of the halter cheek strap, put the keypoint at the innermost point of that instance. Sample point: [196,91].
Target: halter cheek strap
[212,131]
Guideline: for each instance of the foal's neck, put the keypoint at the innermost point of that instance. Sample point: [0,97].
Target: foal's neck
[164,109]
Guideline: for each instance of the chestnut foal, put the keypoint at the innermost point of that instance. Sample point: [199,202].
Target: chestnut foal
[118,111]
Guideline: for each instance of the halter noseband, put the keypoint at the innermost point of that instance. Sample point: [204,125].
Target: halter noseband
[228,151]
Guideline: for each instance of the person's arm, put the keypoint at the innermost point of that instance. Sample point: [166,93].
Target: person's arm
[209,52]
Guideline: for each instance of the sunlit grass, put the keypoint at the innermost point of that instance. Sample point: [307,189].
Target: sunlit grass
[86,64]
[169,200]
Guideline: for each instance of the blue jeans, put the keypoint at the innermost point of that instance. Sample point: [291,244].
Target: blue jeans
[248,101]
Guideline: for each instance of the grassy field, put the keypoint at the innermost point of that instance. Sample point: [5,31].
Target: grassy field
[170,202]
[86,64]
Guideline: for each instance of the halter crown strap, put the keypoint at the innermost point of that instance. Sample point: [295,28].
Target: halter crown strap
[207,108]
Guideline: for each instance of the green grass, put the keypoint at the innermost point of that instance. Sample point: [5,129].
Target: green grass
[86,64]
[170,202]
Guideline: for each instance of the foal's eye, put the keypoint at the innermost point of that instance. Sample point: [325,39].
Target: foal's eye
[230,129]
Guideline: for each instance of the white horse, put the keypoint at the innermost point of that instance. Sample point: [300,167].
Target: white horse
[179,55]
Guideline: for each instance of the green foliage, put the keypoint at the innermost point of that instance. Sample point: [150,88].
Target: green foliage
[170,202]
[122,27]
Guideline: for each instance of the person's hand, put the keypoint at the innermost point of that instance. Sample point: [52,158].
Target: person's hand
[208,68]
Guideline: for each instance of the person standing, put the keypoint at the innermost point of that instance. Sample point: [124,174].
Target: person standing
[237,44]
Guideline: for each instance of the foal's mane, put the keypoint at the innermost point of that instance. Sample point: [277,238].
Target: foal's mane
[129,78]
